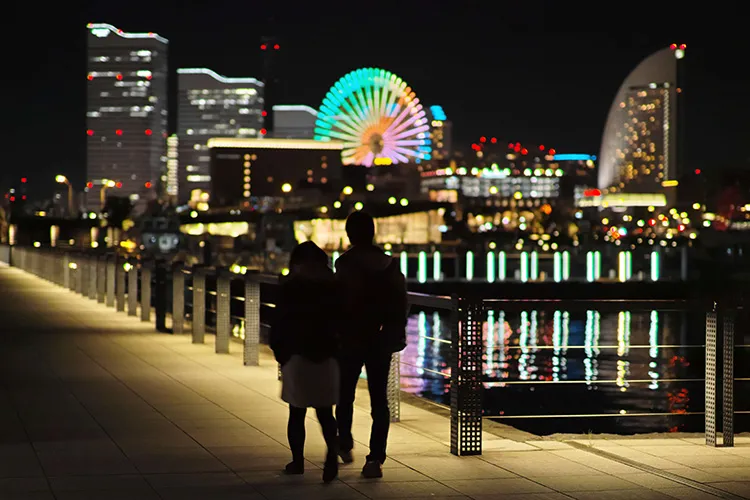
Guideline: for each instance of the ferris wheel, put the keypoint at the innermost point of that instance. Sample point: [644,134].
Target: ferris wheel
[378,118]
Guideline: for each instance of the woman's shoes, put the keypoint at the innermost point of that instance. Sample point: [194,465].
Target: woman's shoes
[330,470]
[295,468]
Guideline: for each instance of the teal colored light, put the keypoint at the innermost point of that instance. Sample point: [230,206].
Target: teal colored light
[469,265]
[437,272]
[422,267]
[655,266]
[491,267]
[534,266]
[524,267]
[566,265]
[404,257]
[557,266]
[501,266]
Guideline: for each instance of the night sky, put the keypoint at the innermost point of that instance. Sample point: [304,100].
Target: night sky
[534,71]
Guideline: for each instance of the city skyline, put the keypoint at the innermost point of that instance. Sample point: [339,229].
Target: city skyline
[474,89]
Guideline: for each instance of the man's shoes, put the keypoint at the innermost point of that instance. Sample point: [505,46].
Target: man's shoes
[346,456]
[294,468]
[373,469]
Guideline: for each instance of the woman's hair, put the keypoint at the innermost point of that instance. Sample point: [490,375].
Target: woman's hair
[306,254]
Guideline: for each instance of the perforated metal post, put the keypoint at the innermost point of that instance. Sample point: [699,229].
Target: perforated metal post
[111,263]
[223,300]
[93,280]
[199,305]
[394,387]
[145,292]
[66,271]
[83,275]
[710,378]
[133,290]
[178,298]
[251,353]
[101,279]
[466,378]
[728,381]
[120,276]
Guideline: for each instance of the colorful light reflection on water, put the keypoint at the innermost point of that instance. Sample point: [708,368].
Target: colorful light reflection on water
[624,372]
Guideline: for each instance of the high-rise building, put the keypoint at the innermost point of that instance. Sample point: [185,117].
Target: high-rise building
[211,105]
[639,152]
[126,116]
[440,133]
[294,121]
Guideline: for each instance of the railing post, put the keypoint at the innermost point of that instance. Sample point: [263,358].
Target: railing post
[145,291]
[223,302]
[160,295]
[178,298]
[101,279]
[199,304]
[66,271]
[719,364]
[394,387]
[710,377]
[82,284]
[728,382]
[120,275]
[133,289]
[251,353]
[111,270]
[93,280]
[466,377]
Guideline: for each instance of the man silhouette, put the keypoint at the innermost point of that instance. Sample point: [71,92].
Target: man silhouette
[374,315]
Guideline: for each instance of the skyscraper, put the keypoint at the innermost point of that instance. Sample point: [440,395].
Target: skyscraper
[294,121]
[126,116]
[211,105]
[639,152]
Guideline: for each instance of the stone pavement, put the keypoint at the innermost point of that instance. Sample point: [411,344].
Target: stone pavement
[96,405]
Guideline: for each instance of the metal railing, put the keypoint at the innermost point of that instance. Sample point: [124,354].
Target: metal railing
[193,296]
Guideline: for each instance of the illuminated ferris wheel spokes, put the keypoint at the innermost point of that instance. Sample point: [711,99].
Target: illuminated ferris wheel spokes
[376,115]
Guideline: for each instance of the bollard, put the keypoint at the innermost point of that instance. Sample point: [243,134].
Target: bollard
[101,279]
[223,301]
[120,275]
[199,304]
[160,295]
[145,291]
[251,353]
[466,377]
[111,263]
[133,289]
[93,271]
[178,298]
[394,387]
[715,337]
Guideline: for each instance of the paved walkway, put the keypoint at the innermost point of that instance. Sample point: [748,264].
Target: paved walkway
[95,405]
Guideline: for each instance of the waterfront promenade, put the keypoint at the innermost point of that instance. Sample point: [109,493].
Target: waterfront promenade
[96,405]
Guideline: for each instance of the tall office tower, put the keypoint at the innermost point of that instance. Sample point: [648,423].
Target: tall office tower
[270,48]
[211,105]
[639,152]
[126,116]
[294,121]
[440,133]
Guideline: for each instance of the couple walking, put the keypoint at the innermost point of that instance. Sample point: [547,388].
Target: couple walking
[327,327]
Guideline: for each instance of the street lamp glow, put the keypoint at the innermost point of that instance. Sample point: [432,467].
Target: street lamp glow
[61,179]
[358,206]
[347,190]
[404,202]
[371,187]
[287,188]
[392,200]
